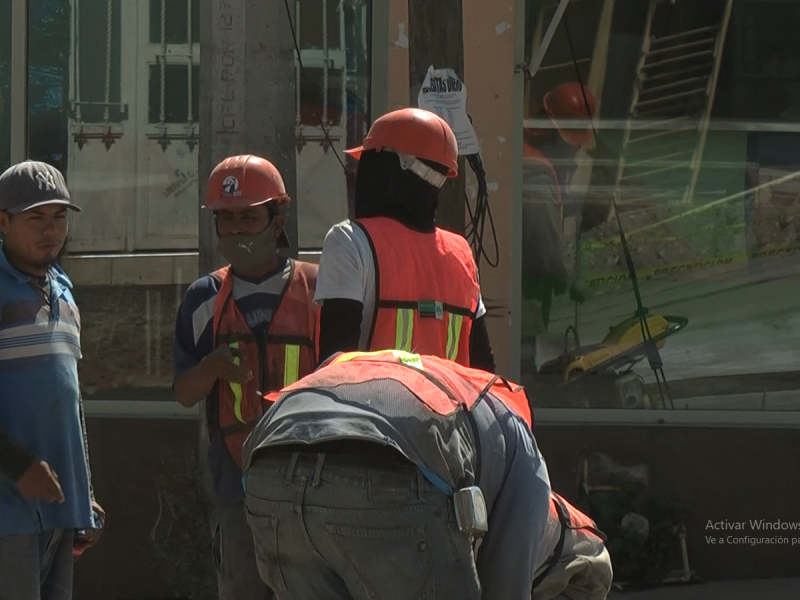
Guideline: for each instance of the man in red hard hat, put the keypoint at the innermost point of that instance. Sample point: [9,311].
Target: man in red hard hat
[244,330]
[548,166]
[389,278]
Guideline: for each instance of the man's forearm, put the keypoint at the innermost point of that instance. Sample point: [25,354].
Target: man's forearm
[339,327]
[193,386]
[14,457]
[481,355]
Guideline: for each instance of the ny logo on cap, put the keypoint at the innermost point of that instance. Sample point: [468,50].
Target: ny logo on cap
[230,185]
[45,181]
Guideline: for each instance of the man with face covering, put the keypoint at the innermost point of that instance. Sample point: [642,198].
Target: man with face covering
[548,167]
[242,331]
[389,278]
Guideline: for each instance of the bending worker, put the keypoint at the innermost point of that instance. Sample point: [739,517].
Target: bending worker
[548,166]
[389,278]
[380,474]
[241,331]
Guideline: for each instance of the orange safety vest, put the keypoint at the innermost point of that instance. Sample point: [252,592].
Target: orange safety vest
[442,386]
[288,353]
[427,290]
[531,153]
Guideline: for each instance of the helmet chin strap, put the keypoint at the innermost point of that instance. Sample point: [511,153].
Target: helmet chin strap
[409,162]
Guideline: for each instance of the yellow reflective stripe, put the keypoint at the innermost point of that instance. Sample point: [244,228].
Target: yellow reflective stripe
[453,335]
[291,364]
[404,330]
[408,359]
[236,388]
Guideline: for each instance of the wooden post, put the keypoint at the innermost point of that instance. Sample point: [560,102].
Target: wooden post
[436,37]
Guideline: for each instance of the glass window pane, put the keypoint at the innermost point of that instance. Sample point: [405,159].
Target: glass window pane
[696,111]
[176,94]
[155,21]
[177,21]
[311,14]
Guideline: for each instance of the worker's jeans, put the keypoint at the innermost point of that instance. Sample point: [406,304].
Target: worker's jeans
[329,526]
[36,567]
[234,556]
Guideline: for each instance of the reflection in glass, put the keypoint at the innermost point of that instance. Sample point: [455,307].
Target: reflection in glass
[696,158]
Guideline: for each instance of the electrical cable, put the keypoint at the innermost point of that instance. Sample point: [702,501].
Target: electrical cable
[652,352]
[475,230]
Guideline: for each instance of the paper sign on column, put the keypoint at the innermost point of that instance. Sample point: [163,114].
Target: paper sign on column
[445,94]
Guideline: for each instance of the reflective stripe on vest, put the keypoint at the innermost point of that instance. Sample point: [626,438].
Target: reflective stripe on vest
[291,364]
[405,329]
[426,298]
[236,388]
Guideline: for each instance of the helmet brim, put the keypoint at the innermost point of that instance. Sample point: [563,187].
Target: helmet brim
[233,202]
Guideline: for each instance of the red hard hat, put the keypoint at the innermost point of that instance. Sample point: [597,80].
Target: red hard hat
[571,100]
[242,181]
[414,131]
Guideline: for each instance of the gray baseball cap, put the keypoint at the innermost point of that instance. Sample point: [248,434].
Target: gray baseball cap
[30,184]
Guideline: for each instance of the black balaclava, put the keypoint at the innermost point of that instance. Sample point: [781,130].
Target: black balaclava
[384,189]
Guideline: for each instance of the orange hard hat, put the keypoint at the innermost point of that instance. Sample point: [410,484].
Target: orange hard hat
[413,131]
[571,100]
[242,181]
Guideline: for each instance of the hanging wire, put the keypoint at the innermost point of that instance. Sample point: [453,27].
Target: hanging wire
[476,226]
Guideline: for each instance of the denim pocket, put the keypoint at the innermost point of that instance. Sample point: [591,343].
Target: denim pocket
[388,561]
[265,538]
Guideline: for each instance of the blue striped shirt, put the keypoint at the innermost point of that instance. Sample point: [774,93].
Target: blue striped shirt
[40,402]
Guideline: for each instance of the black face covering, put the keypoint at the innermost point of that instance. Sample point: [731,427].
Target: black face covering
[384,189]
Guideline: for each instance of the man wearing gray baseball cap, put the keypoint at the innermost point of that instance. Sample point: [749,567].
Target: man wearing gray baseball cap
[47,507]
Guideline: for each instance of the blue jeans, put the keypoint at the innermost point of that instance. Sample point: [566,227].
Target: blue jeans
[234,556]
[36,567]
[330,526]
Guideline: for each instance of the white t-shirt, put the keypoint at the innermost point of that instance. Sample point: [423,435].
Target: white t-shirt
[347,271]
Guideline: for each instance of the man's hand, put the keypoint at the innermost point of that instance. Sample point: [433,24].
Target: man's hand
[40,482]
[221,365]
[84,542]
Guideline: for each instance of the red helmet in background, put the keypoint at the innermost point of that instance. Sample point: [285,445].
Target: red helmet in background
[414,132]
[242,181]
[573,101]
